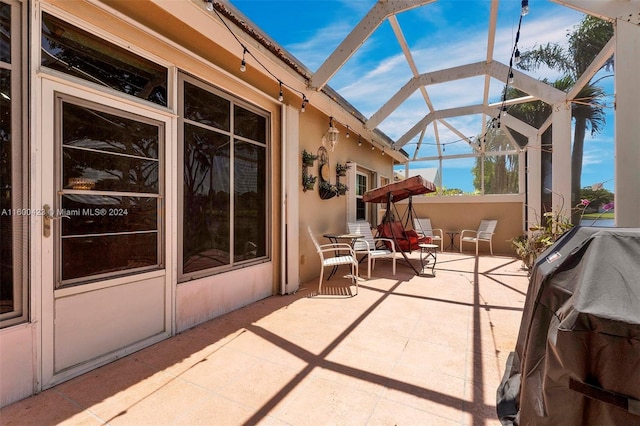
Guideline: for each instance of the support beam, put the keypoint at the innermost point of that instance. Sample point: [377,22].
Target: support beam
[627,125]
[508,120]
[595,66]
[622,10]
[561,159]
[534,181]
[527,84]
[436,77]
[358,36]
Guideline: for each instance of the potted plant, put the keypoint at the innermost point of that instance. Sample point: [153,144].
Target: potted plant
[308,158]
[541,236]
[341,169]
[341,188]
[308,182]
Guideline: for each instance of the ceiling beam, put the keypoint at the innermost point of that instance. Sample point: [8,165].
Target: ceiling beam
[436,77]
[625,10]
[355,39]
[595,66]
[508,120]
[527,84]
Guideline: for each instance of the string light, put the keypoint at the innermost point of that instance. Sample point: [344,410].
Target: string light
[383,150]
[243,64]
[525,8]
[510,77]
[516,57]
[211,6]
[347,135]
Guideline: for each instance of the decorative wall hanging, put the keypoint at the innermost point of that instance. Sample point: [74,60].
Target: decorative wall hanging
[326,189]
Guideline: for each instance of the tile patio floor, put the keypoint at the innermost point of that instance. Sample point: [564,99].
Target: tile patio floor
[407,350]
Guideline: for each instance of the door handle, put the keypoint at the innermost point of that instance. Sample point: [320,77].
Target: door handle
[47,218]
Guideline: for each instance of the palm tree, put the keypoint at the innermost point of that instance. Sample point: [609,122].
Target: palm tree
[584,44]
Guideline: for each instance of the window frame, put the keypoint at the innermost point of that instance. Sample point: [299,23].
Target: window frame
[20,165]
[233,137]
[60,99]
[359,197]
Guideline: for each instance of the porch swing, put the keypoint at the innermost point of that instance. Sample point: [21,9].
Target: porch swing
[394,226]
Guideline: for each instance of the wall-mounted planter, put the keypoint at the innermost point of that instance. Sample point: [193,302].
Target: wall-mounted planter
[327,190]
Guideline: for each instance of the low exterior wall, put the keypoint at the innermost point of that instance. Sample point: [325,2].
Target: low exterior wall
[455,213]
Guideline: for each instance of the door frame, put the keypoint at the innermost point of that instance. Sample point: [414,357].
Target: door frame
[43,254]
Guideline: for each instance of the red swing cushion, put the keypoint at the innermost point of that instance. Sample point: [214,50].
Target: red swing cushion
[406,240]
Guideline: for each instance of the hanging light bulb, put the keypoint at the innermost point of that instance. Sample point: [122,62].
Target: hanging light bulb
[383,150]
[373,147]
[525,7]
[510,77]
[280,96]
[504,110]
[347,135]
[209,5]
[243,64]
[516,56]
[359,140]
[304,103]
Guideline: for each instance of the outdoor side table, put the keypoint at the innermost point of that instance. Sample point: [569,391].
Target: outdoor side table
[428,252]
[452,245]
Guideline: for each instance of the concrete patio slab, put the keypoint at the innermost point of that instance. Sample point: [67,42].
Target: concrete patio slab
[407,350]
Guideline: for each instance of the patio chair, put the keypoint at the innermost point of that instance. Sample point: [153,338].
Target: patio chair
[423,228]
[484,233]
[334,255]
[373,248]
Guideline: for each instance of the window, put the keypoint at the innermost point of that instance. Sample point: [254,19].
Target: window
[13,169]
[225,188]
[79,53]
[110,190]
[361,188]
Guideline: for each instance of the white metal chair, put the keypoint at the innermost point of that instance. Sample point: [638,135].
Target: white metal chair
[332,255]
[484,233]
[423,227]
[371,246]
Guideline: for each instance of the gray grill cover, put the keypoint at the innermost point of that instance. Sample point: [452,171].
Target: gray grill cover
[577,358]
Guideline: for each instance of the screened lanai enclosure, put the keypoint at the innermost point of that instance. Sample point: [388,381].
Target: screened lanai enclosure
[483,111]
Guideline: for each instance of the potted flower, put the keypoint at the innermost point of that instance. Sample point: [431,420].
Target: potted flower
[341,169]
[308,182]
[341,188]
[308,158]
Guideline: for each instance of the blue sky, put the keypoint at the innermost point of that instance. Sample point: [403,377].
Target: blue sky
[441,35]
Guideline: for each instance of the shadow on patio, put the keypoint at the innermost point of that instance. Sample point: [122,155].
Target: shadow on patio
[407,350]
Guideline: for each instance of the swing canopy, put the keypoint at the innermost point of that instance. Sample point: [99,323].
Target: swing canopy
[398,191]
[396,228]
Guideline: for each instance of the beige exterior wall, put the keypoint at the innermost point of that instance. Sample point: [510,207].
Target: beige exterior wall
[466,212]
[330,215]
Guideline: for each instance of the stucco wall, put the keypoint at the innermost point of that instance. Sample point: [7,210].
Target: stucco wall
[329,215]
[466,212]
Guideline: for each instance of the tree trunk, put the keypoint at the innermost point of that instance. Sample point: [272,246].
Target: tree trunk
[576,167]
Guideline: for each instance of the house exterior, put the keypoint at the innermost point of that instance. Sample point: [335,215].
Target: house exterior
[152,174]
[149,184]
